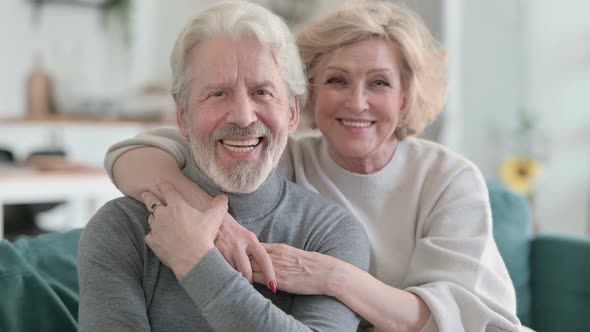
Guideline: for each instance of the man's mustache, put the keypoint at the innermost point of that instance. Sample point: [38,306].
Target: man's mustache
[255,129]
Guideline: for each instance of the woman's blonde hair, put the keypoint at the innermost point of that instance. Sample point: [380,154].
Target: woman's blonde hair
[423,61]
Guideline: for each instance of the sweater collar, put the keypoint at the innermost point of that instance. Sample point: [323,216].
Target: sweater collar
[242,207]
[364,184]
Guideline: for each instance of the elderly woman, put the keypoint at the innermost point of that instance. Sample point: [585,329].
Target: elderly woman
[376,79]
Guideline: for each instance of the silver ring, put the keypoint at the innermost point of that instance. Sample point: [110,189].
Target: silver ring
[153,207]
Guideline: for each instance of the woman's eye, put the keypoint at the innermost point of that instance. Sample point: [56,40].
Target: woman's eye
[382,83]
[335,80]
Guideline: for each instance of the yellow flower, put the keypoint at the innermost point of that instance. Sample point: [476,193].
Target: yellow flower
[520,174]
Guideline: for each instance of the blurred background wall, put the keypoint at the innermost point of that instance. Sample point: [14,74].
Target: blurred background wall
[84,59]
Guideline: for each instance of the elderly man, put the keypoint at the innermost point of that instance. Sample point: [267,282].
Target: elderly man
[237,78]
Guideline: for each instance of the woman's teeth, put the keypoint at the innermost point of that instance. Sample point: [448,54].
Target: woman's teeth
[358,124]
[241,146]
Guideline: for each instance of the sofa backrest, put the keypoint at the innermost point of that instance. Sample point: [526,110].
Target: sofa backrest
[39,283]
[513,233]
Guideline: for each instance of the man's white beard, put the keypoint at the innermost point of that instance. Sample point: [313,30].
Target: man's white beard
[246,175]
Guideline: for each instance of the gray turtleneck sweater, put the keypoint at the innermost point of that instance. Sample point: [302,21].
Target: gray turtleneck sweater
[124,286]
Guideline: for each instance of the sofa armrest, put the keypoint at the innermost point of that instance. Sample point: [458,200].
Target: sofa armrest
[560,275]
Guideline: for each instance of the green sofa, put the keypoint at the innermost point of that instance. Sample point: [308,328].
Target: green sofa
[551,274]
[39,283]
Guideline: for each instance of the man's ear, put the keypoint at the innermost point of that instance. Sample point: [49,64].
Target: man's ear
[294,115]
[181,119]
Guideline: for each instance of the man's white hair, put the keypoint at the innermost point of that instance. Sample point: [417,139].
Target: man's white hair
[238,19]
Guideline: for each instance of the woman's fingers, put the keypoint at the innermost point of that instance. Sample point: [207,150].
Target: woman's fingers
[220,243]
[268,247]
[258,278]
[240,246]
[258,254]
[243,265]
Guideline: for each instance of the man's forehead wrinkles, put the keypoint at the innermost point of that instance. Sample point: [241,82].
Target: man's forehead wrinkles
[248,82]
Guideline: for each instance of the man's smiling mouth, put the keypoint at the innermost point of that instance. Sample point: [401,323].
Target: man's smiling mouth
[241,146]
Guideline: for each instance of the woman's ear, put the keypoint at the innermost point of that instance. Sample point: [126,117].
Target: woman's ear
[405,105]
[310,110]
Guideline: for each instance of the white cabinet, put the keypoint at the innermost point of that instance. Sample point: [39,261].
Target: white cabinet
[82,141]
[85,142]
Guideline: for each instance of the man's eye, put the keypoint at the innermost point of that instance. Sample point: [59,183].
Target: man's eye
[381,83]
[218,94]
[335,80]
[261,93]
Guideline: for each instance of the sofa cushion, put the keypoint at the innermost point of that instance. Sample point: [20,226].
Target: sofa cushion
[39,283]
[560,268]
[513,234]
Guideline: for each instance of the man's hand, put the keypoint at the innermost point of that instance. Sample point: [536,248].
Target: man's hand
[181,235]
[239,246]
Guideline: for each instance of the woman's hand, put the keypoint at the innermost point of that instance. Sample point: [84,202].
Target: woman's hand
[180,235]
[240,246]
[299,271]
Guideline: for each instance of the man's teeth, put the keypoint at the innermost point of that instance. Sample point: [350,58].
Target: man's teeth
[359,124]
[240,150]
[241,146]
[250,142]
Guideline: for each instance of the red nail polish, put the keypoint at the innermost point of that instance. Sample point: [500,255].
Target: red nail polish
[272,286]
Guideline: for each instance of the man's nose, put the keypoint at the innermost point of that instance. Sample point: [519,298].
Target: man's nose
[357,101]
[242,112]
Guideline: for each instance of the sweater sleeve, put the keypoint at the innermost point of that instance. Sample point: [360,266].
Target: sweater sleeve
[230,303]
[348,242]
[456,267]
[168,139]
[110,267]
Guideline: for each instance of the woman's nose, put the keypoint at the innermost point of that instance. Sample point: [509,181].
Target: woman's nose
[357,101]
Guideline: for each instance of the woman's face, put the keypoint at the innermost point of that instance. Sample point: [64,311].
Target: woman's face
[358,99]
